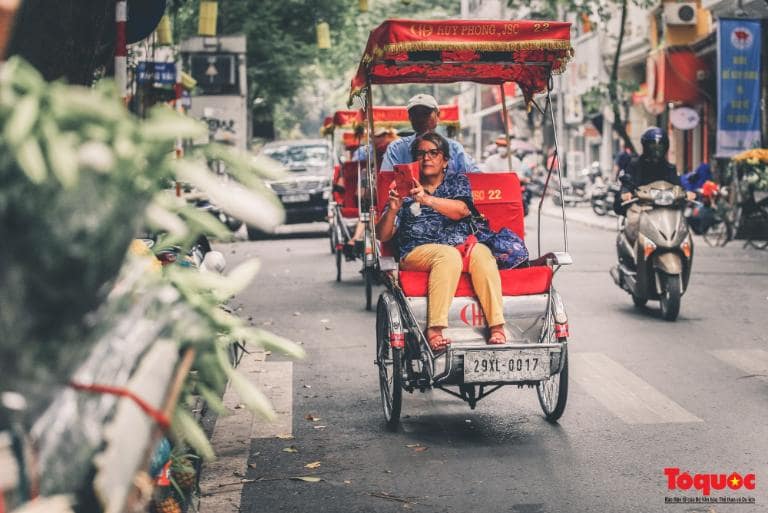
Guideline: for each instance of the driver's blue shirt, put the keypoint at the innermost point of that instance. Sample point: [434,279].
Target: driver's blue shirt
[430,226]
[361,153]
[399,152]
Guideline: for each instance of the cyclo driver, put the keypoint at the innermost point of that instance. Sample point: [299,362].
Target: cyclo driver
[652,165]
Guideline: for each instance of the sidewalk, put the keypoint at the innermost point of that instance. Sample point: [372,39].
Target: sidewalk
[581,214]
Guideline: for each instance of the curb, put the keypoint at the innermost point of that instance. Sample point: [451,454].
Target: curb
[587,222]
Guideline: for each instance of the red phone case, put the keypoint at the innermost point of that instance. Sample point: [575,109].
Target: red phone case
[406,178]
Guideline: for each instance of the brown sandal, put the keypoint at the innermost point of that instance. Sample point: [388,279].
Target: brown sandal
[498,336]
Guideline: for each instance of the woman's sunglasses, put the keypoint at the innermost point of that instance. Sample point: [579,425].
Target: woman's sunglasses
[420,154]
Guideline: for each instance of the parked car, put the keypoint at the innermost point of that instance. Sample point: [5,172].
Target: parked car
[305,192]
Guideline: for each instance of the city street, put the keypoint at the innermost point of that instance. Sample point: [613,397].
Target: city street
[173,340]
[645,395]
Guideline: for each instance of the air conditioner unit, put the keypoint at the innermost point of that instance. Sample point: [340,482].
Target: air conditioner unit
[680,13]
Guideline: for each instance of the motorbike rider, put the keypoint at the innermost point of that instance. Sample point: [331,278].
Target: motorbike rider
[652,165]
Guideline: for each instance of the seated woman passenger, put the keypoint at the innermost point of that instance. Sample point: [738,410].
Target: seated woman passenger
[427,225]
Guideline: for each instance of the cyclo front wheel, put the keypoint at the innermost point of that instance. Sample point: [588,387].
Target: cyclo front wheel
[553,391]
[390,363]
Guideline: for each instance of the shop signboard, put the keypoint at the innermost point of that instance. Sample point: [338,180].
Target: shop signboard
[684,118]
[738,85]
[162,74]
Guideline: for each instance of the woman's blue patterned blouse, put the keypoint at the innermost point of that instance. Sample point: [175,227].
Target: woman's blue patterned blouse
[431,227]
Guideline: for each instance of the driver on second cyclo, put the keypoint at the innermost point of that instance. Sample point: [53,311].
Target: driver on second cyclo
[652,165]
[424,113]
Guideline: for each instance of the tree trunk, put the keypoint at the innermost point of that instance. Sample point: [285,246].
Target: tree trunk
[618,123]
[66,39]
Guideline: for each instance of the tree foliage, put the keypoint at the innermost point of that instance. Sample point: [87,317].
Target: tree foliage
[285,65]
[74,39]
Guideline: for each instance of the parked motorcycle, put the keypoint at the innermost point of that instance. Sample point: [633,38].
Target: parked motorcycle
[658,265]
[535,185]
[602,199]
[578,190]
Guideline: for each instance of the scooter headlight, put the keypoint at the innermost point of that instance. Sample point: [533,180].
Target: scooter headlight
[663,198]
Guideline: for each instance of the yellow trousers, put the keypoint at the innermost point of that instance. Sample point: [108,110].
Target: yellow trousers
[443,263]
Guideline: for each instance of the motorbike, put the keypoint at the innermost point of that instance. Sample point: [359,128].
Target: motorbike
[602,199]
[577,190]
[536,183]
[657,266]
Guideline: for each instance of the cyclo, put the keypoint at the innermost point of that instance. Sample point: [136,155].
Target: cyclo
[345,208]
[535,354]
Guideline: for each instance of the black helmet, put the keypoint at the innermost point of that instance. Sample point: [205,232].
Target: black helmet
[655,143]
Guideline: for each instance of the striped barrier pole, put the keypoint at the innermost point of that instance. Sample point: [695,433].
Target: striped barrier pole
[121,48]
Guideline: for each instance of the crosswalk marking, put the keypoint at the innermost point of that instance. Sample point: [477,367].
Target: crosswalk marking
[623,393]
[752,361]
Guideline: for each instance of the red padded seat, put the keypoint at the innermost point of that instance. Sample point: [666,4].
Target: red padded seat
[498,197]
[349,201]
[350,212]
[514,282]
[383,181]
[338,198]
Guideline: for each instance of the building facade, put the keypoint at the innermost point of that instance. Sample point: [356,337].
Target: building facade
[667,70]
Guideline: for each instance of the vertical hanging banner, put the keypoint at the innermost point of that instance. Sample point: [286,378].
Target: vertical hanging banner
[738,85]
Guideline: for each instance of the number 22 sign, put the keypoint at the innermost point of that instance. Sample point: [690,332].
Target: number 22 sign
[490,194]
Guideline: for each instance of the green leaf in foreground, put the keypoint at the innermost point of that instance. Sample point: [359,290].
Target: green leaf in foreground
[185,428]
[31,161]
[252,397]
[269,341]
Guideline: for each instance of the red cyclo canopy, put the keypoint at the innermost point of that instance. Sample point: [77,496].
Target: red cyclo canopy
[384,116]
[346,118]
[398,116]
[489,52]
[327,127]
[351,141]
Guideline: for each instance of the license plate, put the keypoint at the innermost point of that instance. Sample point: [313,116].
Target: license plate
[517,365]
[295,198]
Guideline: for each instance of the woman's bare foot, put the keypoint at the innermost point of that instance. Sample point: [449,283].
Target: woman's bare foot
[436,340]
[497,335]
